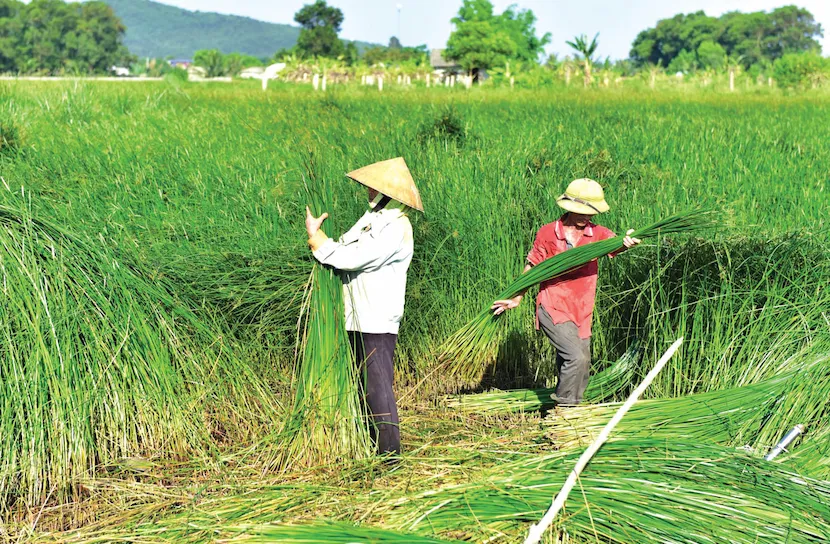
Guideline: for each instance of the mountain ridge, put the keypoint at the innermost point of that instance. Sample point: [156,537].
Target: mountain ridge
[159,30]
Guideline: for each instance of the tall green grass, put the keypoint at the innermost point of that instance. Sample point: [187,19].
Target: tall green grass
[99,363]
[202,184]
[201,187]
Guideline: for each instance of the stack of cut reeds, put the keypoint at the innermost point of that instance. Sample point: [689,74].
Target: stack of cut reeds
[603,387]
[641,490]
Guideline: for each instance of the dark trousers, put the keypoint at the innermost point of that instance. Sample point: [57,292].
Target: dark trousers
[573,357]
[373,353]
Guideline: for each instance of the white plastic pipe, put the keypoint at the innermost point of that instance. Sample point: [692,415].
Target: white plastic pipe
[536,531]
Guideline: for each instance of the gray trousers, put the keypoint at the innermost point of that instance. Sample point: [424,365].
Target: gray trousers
[373,352]
[573,357]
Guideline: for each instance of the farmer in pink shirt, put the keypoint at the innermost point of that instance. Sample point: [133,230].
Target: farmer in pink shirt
[565,305]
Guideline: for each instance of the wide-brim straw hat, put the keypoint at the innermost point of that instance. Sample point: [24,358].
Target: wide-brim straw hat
[584,196]
[390,178]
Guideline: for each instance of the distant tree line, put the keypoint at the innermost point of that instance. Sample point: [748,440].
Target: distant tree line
[53,36]
[687,42]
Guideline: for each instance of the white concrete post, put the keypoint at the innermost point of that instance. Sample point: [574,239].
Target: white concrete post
[512,81]
[380,83]
[264,83]
[315,81]
[428,78]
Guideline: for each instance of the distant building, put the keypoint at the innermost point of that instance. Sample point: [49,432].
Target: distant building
[441,65]
[120,71]
[180,63]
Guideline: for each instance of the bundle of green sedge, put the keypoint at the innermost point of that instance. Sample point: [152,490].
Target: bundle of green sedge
[327,422]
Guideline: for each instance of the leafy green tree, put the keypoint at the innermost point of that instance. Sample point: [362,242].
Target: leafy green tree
[351,55]
[800,70]
[685,61]
[745,34]
[236,62]
[752,36]
[659,45]
[520,26]
[99,35]
[11,32]
[52,36]
[478,45]
[711,55]
[212,60]
[483,40]
[794,30]
[321,24]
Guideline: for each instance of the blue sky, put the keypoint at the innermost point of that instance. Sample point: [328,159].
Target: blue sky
[428,21]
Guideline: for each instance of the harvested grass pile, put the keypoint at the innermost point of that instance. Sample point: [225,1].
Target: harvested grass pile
[640,490]
[603,387]
[332,533]
[755,415]
[97,364]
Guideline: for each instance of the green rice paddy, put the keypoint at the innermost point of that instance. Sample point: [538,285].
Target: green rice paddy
[153,268]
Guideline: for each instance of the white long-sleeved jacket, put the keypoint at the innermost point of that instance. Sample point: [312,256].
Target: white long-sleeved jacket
[373,256]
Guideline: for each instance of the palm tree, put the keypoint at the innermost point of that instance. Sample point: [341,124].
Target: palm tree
[733,66]
[587,50]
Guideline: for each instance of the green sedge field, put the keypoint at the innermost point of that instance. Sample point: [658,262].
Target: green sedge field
[154,267]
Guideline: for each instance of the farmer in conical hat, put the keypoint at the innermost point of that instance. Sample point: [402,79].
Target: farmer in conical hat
[565,304]
[373,257]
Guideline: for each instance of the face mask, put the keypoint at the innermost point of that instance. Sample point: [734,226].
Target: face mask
[376,201]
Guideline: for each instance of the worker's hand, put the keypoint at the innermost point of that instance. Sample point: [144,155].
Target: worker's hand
[312,224]
[500,306]
[630,242]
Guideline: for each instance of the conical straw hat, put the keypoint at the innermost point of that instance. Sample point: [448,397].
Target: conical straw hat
[391,178]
